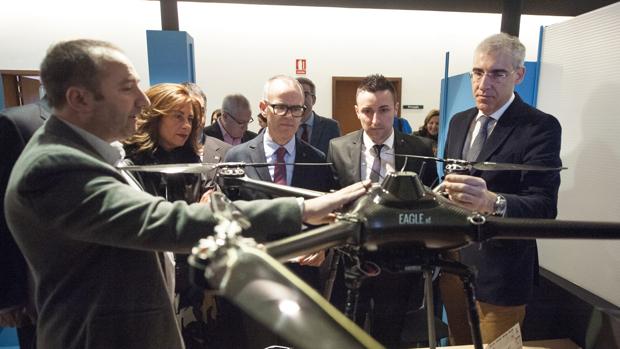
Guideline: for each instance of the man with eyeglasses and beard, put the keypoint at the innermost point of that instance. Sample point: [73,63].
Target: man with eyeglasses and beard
[232,126]
[501,128]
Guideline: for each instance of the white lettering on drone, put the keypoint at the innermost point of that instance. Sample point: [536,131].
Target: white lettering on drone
[413,218]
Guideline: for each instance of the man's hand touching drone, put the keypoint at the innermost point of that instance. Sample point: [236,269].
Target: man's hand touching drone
[469,192]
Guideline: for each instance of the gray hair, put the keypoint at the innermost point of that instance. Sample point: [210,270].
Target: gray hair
[233,104]
[284,78]
[503,42]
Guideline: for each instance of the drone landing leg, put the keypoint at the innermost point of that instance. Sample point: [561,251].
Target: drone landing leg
[467,277]
[430,314]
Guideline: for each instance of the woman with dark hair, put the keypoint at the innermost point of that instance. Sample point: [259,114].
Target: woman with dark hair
[430,129]
[166,133]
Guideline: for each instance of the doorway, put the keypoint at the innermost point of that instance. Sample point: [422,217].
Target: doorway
[19,87]
[343,100]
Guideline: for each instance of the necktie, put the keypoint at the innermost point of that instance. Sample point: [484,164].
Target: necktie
[279,172]
[304,132]
[476,146]
[375,172]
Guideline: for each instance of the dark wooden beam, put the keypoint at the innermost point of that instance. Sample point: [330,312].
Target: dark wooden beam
[169,14]
[511,16]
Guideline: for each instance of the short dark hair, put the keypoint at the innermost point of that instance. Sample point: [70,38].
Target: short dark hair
[374,83]
[74,63]
[305,81]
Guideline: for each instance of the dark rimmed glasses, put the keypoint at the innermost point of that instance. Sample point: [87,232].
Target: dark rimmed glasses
[297,111]
[240,123]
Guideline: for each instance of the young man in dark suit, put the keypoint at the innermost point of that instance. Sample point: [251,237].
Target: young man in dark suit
[315,129]
[371,153]
[503,128]
[16,127]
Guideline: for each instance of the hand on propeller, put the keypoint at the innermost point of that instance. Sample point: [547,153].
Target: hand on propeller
[319,210]
[469,192]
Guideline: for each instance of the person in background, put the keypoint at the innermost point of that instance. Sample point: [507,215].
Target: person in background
[430,128]
[262,121]
[502,128]
[402,125]
[215,116]
[232,126]
[97,274]
[167,133]
[313,128]
[16,297]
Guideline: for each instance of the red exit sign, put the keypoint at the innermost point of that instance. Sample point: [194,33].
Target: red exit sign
[300,66]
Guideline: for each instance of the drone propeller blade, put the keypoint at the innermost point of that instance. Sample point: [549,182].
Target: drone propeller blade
[206,167]
[196,168]
[487,166]
[270,188]
[266,164]
[495,166]
[274,296]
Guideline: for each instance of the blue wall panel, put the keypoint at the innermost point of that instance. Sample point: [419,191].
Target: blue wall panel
[1,95]
[170,56]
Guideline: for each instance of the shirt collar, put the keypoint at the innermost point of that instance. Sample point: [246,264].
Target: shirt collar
[499,112]
[109,152]
[271,146]
[389,142]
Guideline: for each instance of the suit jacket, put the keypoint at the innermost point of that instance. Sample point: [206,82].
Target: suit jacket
[346,155]
[308,177]
[215,131]
[214,150]
[91,240]
[507,269]
[16,127]
[323,131]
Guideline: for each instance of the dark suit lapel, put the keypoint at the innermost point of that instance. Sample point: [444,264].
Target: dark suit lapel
[299,172]
[461,128]
[317,131]
[502,130]
[257,155]
[400,147]
[355,154]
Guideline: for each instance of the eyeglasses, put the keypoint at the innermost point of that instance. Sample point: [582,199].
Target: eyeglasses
[494,75]
[240,123]
[297,111]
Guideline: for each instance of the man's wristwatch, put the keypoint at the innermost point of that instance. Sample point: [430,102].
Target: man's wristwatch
[499,206]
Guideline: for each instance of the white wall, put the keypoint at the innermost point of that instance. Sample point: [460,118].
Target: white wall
[239,46]
[580,85]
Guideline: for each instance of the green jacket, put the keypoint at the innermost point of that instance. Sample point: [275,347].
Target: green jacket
[91,241]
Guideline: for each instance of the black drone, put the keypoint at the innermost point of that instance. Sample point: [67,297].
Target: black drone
[401,211]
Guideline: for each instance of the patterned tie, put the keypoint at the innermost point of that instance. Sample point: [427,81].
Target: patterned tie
[476,146]
[375,172]
[304,132]
[279,172]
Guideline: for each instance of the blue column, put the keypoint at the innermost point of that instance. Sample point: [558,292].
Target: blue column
[170,56]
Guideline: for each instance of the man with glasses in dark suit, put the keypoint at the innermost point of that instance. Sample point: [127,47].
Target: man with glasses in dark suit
[502,128]
[232,126]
